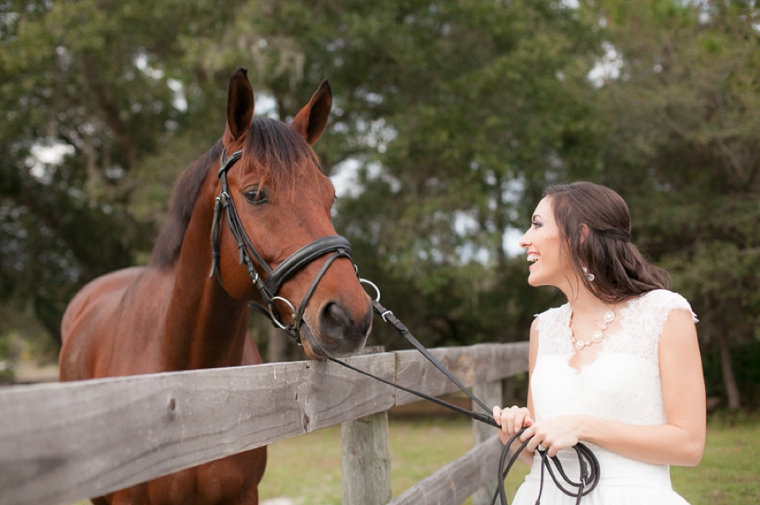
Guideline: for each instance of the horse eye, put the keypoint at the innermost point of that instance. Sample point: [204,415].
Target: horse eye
[255,196]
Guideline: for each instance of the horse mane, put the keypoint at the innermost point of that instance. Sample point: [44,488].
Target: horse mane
[169,241]
[279,154]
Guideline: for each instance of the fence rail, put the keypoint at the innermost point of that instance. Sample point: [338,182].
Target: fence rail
[67,441]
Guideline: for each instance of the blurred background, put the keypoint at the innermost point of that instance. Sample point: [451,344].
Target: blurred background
[449,119]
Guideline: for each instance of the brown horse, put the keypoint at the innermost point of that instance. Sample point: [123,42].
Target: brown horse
[171,315]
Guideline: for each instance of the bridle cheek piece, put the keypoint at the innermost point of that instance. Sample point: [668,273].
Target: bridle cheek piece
[275,277]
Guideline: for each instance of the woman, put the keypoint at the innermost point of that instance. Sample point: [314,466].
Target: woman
[617,367]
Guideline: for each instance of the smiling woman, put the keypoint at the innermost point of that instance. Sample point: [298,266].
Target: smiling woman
[617,367]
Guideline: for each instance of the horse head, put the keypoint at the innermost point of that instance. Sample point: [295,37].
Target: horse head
[284,252]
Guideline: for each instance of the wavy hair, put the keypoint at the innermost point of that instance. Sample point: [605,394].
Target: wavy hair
[595,224]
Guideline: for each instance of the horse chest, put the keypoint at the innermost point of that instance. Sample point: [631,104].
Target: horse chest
[231,480]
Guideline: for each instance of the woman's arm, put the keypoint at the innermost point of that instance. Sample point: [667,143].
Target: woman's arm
[513,419]
[679,442]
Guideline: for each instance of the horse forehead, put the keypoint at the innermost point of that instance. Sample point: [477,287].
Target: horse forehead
[308,199]
[296,181]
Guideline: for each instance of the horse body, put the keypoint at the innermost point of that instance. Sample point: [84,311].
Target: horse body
[171,315]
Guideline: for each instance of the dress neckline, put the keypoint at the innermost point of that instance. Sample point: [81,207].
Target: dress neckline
[570,351]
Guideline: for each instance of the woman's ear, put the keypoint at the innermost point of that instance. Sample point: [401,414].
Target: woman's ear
[584,229]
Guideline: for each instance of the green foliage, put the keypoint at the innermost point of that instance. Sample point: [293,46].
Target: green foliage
[746,360]
[681,146]
[103,83]
[478,105]
[456,113]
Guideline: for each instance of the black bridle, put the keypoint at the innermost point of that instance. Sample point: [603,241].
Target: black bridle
[275,277]
[341,248]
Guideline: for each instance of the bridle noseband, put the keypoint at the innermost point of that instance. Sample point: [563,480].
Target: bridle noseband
[275,278]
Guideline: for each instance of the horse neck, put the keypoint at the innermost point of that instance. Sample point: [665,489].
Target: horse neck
[205,327]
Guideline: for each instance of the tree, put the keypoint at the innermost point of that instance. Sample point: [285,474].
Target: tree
[103,83]
[456,113]
[682,147]
[453,110]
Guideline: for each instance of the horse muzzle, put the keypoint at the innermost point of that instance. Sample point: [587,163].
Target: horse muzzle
[337,334]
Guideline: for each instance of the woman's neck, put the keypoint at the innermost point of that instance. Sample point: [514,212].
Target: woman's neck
[582,301]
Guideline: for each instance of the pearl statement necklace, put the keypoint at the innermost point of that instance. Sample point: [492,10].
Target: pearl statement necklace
[598,335]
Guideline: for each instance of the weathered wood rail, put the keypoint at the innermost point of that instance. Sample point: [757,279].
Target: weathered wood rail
[66,441]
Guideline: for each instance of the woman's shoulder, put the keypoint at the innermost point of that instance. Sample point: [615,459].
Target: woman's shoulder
[663,301]
[550,328]
[553,313]
[552,320]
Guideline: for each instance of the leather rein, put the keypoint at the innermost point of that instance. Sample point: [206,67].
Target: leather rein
[340,247]
[589,465]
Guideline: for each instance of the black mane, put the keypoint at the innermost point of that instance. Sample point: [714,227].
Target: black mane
[169,241]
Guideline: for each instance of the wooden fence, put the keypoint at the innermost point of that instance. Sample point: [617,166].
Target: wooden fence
[64,442]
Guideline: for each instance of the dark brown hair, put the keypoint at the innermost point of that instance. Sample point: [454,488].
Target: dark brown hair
[605,249]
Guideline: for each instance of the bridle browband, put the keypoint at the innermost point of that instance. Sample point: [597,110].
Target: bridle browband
[275,277]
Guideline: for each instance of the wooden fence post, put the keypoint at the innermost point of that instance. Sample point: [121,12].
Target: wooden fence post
[366,457]
[490,394]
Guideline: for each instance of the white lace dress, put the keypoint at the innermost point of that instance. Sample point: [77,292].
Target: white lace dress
[622,384]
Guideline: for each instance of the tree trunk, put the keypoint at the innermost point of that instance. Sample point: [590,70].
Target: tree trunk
[729,379]
[277,345]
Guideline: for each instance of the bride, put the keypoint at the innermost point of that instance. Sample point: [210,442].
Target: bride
[617,367]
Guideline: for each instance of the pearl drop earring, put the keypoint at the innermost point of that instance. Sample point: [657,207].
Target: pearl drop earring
[589,276]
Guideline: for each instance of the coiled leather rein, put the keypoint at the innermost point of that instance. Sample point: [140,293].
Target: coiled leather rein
[589,465]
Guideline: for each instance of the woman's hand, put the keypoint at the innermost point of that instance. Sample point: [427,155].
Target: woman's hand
[511,420]
[553,435]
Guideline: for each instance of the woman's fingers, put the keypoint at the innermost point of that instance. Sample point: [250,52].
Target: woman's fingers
[551,436]
[497,414]
[512,419]
[518,419]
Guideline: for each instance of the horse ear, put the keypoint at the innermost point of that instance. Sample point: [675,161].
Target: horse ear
[311,121]
[239,104]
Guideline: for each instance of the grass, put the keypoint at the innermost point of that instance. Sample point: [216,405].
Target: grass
[730,469]
[307,469]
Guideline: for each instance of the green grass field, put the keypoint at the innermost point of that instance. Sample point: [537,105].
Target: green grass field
[307,469]
[730,469]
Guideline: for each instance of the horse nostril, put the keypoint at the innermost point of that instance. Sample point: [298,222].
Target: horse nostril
[334,321]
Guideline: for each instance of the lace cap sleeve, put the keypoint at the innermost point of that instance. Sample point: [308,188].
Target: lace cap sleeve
[553,332]
[644,319]
[658,304]
[667,301]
